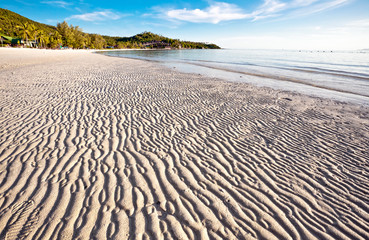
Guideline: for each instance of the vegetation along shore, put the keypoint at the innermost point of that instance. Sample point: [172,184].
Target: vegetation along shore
[16,30]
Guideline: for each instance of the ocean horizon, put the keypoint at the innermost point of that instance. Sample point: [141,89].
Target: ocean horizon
[337,75]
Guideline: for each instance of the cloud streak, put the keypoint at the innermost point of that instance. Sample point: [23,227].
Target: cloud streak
[61,4]
[220,11]
[294,8]
[318,7]
[96,16]
[215,13]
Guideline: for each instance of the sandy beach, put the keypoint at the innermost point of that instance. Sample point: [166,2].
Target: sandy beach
[96,147]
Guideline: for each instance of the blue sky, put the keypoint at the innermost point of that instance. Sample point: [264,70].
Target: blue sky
[267,24]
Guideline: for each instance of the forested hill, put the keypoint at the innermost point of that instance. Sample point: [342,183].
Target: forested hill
[148,37]
[65,35]
[10,22]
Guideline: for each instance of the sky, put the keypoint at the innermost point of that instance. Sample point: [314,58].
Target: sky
[246,24]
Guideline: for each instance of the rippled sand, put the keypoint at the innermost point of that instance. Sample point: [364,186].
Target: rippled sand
[95,147]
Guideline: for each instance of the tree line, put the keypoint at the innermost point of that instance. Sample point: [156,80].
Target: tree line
[65,35]
[46,36]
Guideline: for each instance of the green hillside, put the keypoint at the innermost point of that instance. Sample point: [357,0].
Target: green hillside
[11,23]
[65,35]
[148,37]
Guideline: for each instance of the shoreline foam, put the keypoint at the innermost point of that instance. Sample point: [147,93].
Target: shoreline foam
[330,81]
[105,148]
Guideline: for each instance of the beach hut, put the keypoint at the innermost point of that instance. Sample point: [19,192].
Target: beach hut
[17,41]
[5,40]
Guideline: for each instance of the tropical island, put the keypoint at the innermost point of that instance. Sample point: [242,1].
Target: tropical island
[19,31]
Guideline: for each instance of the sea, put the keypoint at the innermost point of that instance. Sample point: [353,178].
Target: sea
[338,75]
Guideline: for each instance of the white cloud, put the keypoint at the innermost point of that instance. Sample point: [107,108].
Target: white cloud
[272,6]
[96,16]
[215,13]
[269,9]
[220,11]
[61,4]
[320,7]
[294,8]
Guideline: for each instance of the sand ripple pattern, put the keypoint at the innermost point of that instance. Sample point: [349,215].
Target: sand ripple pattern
[105,148]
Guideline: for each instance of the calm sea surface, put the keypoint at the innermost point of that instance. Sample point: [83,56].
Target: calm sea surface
[338,75]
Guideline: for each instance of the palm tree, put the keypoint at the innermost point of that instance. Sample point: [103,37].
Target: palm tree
[34,33]
[26,31]
[1,37]
[55,40]
[42,38]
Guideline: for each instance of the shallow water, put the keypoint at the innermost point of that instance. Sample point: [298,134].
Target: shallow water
[338,75]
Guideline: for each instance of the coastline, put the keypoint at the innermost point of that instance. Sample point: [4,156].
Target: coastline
[93,147]
[283,76]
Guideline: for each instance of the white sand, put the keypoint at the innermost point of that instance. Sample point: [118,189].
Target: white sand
[95,147]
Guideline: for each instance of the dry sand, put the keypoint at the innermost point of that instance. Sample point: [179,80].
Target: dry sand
[95,147]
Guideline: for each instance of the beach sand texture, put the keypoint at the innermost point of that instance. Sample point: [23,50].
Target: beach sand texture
[95,147]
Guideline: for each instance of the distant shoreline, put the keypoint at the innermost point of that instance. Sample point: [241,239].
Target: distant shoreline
[264,78]
[225,74]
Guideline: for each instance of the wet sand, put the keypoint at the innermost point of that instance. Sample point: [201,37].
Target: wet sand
[96,147]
